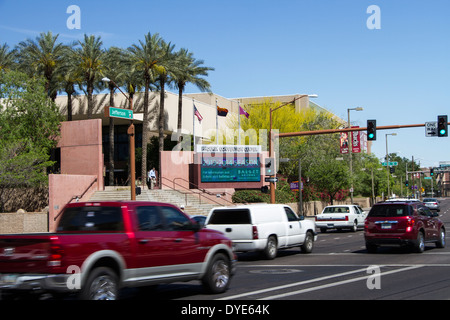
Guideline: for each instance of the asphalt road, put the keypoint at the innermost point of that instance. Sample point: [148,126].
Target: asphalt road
[338,269]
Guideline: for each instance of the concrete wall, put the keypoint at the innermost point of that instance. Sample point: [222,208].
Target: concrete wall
[23,222]
[63,188]
[81,165]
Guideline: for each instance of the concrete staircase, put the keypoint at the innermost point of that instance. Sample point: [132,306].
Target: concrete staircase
[191,203]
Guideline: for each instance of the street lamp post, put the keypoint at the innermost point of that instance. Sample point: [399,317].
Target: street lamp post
[271,137]
[131,134]
[350,150]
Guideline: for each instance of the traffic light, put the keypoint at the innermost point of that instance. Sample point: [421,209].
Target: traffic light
[432,172]
[442,124]
[406,183]
[392,170]
[269,166]
[371,130]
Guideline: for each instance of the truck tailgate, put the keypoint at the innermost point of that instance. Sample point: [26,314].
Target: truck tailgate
[234,231]
[25,253]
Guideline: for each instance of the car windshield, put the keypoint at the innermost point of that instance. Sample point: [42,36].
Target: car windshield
[429,200]
[395,210]
[336,210]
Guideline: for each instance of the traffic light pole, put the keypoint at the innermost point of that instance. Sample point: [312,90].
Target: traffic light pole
[330,131]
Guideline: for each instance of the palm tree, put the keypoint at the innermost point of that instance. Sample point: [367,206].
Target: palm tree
[90,63]
[146,58]
[189,70]
[67,77]
[7,57]
[42,56]
[168,63]
[114,69]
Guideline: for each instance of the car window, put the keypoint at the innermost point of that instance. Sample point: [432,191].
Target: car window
[230,216]
[175,220]
[424,211]
[290,214]
[336,210]
[149,219]
[91,219]
[390,211]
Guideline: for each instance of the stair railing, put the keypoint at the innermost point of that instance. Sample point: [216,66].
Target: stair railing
[203,193]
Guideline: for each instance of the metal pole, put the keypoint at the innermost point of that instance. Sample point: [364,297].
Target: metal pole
[300,193]
[131,134]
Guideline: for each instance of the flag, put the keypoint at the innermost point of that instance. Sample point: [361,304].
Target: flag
[222,111]
[242,111]
[197,114]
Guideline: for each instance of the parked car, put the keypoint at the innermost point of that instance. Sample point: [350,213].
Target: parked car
[432,203]
[200,219]
[403,224]
[263,227]
[341,217]
[112,245]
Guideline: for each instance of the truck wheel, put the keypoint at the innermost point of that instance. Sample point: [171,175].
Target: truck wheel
[102,284]
[217,277]
[355,226]
[441,241]
[419,246]
[271,250]
[307,246]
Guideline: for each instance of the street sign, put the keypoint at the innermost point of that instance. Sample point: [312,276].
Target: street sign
[294,185]
[431,129]
[118,113]
[270,179]
[393,163]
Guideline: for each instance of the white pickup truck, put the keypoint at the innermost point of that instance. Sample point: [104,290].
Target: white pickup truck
[263,227]
[341,217]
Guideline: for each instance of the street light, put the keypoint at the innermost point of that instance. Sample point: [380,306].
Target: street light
[131,139]
[350,150]
[387,162]
[271,151]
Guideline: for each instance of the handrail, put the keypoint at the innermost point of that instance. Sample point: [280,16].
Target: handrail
[76,197]
[192,192]
[206,191]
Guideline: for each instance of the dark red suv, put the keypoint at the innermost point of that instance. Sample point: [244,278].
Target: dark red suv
[403,223]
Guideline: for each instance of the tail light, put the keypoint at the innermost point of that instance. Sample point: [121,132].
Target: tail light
[56,254]
[255,233]
[409,224]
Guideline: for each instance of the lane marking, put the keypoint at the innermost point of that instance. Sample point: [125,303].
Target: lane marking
[334,284]
[291,284]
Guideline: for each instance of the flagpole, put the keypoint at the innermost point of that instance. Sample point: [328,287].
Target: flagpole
[217,123]
[239,117]
[193,122]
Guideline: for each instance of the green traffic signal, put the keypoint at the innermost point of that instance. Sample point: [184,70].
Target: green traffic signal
[371,130]
[442,124]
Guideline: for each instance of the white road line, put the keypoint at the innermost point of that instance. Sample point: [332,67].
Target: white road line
[291,285]
[287,294]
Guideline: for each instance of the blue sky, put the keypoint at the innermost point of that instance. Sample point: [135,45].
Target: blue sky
[399,74]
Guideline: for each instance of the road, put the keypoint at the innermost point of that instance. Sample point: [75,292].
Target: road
[338,269]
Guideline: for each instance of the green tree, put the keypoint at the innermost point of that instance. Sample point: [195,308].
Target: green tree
[7,58]
[90,64]
[42,57]
[114,68]
[146,59]
[189,70]
[29,127]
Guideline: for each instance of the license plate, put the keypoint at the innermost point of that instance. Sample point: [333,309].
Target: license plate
[386,226]
[8,279]
[330,224]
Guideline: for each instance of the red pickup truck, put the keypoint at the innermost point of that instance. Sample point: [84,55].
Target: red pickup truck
[100,247]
